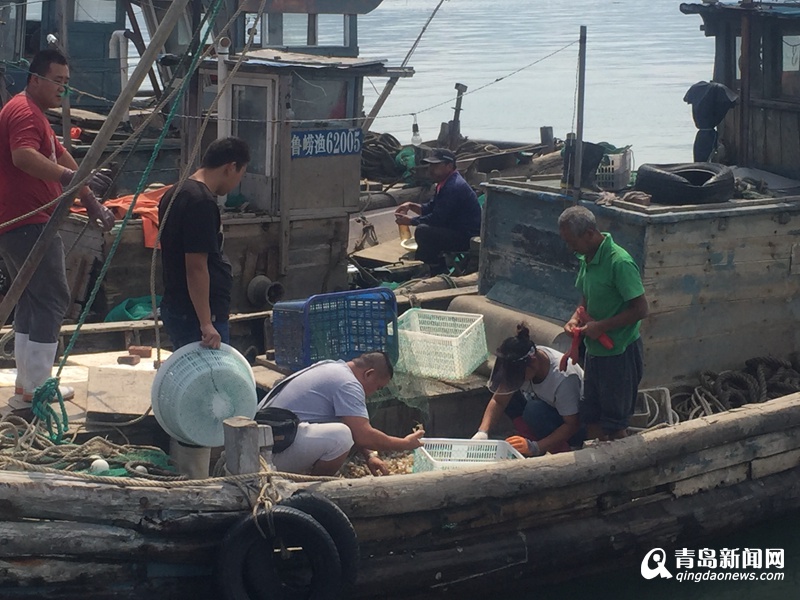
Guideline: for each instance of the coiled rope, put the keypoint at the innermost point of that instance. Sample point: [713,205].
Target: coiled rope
[762,379]
[24,447]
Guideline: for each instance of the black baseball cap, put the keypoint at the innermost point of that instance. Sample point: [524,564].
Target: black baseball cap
[440,155]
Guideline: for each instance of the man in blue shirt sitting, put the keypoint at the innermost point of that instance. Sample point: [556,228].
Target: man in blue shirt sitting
[448,221]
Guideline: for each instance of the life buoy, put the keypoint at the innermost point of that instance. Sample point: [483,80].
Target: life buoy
[686,183]
[299,561]
[336,523]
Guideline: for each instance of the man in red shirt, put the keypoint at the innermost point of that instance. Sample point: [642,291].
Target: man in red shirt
[34,168]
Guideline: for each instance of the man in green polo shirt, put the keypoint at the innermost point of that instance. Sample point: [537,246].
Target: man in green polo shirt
[612,295]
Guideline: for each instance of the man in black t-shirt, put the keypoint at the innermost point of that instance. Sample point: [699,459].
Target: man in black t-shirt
[197,275]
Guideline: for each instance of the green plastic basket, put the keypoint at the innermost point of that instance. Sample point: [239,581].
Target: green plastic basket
[440,344]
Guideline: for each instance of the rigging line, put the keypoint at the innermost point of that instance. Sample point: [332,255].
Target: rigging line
[574,123]
[498,80]
[421,33]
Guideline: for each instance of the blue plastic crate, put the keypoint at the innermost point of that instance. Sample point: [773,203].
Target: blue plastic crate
[340,325]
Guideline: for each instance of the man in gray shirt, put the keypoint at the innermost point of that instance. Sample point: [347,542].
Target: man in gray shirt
[329,398]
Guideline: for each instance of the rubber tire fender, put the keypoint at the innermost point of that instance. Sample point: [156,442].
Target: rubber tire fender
[686,183]
[246,568]
[336,523]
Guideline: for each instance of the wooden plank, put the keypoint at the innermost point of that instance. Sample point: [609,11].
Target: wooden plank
[77,281]
[27,572]
[682,251]
[790,143]
[250,262]
[668,362]
[63,538]
[769,221]
[119,326]
[188,509]
[741,319]
[388,253]
[758,138]
[763,467]
[777,105]
[266,377]
[770,136]
[119,392]
[707,481]
[672,287]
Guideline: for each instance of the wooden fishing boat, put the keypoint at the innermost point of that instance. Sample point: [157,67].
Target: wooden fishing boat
[443,532]
[515,522]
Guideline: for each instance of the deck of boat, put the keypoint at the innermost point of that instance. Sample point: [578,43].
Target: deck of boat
[106,393]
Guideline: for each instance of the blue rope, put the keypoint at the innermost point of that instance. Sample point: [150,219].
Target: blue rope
[43,409]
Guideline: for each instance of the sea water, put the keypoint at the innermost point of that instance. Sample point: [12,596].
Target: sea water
[642,56]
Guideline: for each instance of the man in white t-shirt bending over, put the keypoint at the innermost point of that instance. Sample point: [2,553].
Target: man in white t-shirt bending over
[329,398]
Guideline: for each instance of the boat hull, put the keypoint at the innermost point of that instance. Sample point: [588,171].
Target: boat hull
[455,533]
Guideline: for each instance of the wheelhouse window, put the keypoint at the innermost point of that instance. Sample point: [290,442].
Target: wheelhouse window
[790,69]
[322,99]
[96,11]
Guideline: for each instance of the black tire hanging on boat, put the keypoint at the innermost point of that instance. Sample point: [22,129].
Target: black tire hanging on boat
[247,562]
[686,183]
[336,523]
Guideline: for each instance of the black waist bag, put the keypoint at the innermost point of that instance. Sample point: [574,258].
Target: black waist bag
[284,426]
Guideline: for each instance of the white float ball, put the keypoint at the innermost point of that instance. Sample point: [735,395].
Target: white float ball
[99,465]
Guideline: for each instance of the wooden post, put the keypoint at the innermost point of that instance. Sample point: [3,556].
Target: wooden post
[174,13]
[66,120]
[455,126]
[350,33]
[190,128]
[577,178]
[546,137]
[275,29]
[138,43]
[745,65]
[284,169]
[245,442]
[312,31]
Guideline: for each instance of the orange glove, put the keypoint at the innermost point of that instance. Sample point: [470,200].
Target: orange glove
[524,446]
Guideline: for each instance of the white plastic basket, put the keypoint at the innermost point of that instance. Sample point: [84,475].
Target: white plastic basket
[616,175]
[440,344]
[439,454]
[196,389]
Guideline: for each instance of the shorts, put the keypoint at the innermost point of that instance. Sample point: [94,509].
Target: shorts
[313,442]
[610,385]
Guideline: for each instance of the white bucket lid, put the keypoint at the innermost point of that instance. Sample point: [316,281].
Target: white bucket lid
[197,388]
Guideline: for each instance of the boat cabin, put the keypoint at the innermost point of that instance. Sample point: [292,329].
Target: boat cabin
[722,280]
[757,55]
